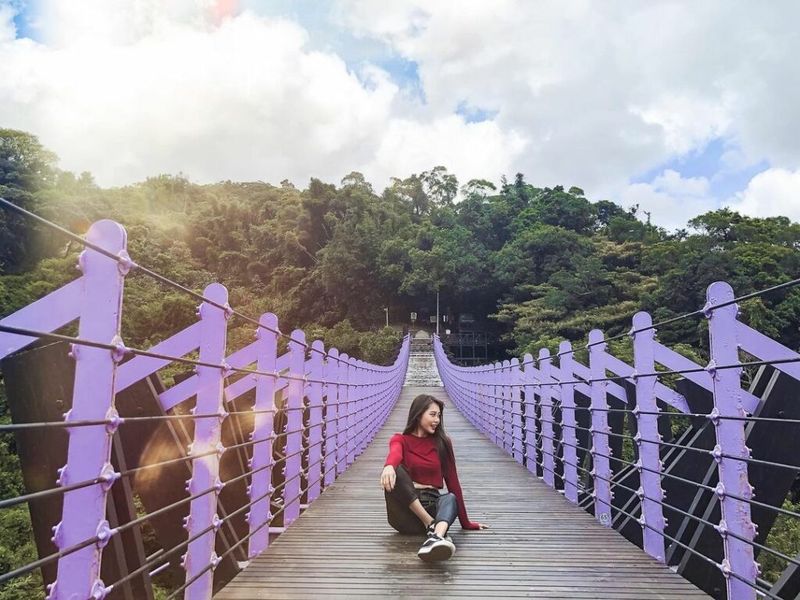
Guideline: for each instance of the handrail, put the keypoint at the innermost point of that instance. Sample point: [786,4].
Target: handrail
[333,405]
[556,420]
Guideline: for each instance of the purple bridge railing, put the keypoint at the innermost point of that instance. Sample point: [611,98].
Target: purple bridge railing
[310,401]
[691,498]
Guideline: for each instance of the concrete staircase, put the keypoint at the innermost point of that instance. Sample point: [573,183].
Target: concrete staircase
[421,364]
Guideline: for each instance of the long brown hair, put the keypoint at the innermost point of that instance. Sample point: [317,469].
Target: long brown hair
[418,407]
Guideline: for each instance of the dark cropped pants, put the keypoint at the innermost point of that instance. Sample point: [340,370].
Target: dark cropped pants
[442,507]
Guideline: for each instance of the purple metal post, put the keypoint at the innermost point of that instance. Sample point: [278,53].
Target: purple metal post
[363,391]
[331,414]
[546,411]
[530,414]
[497,400]
[505,380]
[601,469]
[344,411]
[89,449]
[294,426]
[261,480]
[315,421]
[568,431]
[207,432]
[516,406]
[353,390]
[733,478]
[649,464]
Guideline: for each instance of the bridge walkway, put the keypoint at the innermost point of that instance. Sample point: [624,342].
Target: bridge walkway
[539,545]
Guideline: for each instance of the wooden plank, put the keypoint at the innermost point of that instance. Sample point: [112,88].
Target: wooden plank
[539,545]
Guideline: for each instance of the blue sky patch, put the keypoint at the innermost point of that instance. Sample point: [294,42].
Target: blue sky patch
[474,114]
[707,162]
[326,35]
[23,18]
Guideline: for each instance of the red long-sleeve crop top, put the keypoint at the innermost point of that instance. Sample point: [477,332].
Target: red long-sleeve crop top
[420,457]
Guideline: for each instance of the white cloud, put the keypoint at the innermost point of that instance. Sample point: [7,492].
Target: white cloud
[605,91]
[409,146]
[581,93]
[771,193]
[670,200]
[243,100]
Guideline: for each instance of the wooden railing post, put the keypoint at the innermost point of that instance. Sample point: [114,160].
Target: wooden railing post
[263,430]
[647,438]
[601,469]
[568,422]
[89,448]
[207,446]
[731,442]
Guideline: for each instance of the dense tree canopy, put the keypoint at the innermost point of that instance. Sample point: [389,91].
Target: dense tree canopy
[544,264]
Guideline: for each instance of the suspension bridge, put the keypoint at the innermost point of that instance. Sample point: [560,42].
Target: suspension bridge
[255,472]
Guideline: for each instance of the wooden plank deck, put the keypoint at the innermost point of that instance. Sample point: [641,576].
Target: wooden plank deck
[539,545]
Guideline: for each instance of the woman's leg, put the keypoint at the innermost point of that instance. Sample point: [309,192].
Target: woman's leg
[446,513]
[403,509]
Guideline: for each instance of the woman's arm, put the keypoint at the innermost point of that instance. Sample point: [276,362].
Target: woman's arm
[454,486]
[393,460]
[395,457]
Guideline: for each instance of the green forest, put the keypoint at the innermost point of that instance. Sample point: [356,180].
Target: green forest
[538,264]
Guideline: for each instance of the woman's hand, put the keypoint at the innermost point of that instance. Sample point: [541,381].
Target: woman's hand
[388,477]
[483,526]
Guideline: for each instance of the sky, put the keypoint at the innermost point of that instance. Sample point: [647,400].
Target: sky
[678,107]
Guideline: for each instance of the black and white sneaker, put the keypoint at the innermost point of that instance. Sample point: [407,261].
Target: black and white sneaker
[431,530]
[436,549]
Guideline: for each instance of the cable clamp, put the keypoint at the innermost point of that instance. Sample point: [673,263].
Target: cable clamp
[104,533]
[725,567]
[57,535]
[722,528]
[62,479]
[99,590]
[719,490]
[114,420]
[707,309]
[717,453]
[51,590]
[216,522]
[108,476]
[228,311]
[714,416]
[120,350]
[124,262]
[711,367]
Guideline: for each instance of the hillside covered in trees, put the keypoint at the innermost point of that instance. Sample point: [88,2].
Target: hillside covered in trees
[543,264]
[546,263]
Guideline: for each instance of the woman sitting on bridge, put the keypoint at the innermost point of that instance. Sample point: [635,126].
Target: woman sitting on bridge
[420,460]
